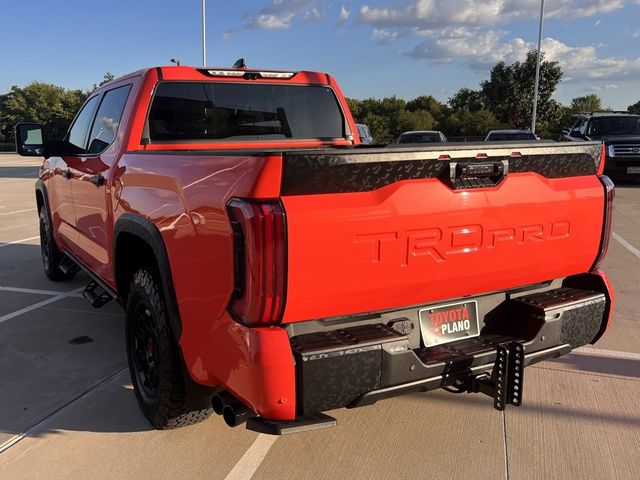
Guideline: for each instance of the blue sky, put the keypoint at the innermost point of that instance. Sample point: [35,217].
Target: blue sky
[374,48]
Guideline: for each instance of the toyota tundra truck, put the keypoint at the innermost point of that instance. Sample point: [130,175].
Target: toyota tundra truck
[272,268]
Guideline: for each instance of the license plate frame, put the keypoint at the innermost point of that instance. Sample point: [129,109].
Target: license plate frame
[457,321]
[633,170]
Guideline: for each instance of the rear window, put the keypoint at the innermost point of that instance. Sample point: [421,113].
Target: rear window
[623,125]
[190,111]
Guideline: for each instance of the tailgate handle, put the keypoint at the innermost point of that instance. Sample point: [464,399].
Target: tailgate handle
[477,174]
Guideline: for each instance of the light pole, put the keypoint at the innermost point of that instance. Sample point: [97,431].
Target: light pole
[535,93]
[204,34]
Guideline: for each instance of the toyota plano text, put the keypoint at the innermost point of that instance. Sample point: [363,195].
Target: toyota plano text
[273,268]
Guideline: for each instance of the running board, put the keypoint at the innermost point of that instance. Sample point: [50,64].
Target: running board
[97,292]
[67,265]
[284,427]
[96,295]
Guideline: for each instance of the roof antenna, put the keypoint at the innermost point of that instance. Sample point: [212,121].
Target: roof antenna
[176,61]
[240,63]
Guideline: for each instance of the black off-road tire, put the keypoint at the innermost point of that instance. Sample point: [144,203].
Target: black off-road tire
[51,256]
[154,357]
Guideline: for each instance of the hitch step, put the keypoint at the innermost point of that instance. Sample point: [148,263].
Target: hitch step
[507,379]
[96,295]
[283,427]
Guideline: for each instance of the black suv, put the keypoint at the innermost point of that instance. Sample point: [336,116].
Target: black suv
[620,132]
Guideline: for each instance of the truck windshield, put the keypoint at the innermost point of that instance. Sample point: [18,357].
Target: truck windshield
[615,126]
[205,111]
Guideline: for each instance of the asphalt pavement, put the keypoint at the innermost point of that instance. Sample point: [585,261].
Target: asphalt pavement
[67,408]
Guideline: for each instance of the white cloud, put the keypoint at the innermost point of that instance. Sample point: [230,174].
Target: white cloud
[271,22]
[344,14]
[311,16]
[381,35]
[466,31]
[599,88]
[636,35]
[443,13]
[481,50]
[598,22]
[280,15]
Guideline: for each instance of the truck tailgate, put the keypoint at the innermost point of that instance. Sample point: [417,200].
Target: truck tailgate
[377,229]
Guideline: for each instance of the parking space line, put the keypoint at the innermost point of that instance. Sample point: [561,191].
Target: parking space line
[18,241]
[13,440]
[626,245]
[599,352]
[34,291]
[504,442]
[35,306]
[252,458]
[17,211]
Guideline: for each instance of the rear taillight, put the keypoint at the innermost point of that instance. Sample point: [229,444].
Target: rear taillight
[259,261]
[610,192]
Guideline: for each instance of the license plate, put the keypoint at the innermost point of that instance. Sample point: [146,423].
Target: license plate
[633,169]
[445,323]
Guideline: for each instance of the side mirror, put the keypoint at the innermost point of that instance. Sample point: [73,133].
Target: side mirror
[29,142]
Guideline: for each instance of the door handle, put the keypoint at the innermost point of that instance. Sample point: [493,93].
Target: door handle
[97,180]
[67,174]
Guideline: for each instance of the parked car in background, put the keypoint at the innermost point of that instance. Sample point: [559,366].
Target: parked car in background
[365,134]
[620,132]
[421,136]
[510,135]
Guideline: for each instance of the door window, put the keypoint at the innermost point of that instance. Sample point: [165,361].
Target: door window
[77,136]
[107,121]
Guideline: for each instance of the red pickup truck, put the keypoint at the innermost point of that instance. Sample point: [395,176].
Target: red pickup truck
[272,268]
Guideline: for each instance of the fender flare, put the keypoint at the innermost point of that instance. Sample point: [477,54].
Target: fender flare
[145,230]
[42,188]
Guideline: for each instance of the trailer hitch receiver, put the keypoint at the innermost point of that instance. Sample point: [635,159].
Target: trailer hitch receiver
[506,380]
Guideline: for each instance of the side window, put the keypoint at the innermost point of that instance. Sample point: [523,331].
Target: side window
[107,119]
[583,127]
[78,133]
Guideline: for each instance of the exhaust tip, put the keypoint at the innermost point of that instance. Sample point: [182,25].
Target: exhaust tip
[236,414]
[217,404]
[219,400]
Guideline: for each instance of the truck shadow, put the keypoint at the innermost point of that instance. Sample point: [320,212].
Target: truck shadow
[626,183]
[19,172]
[601,364]
[62,362]
[546,407]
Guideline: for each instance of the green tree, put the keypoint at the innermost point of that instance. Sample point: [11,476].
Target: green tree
[635,108]
[411,121]
[471,122]
[51,106]
[588,103]
[106,78]
[472,100]
[509,91]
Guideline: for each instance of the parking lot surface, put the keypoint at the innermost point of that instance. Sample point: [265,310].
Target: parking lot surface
[67,409]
